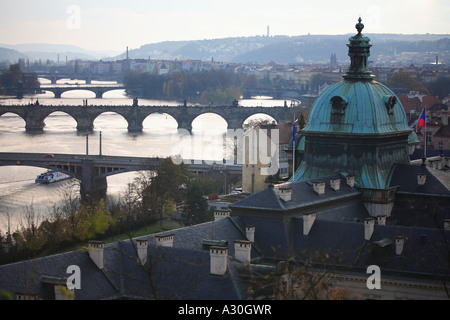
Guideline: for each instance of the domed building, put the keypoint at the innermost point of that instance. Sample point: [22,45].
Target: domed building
[357,126]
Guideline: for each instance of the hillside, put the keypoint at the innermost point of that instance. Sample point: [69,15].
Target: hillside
[279,49]
[289,50]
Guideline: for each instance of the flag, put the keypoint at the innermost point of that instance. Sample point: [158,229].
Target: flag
[421,121]
[293,140]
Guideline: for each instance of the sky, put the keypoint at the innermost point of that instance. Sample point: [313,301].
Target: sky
[117,24]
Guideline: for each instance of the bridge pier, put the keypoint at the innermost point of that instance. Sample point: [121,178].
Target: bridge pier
[33,123]
[92,187]
[84,123]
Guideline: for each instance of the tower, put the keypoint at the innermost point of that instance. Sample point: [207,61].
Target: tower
[356,126]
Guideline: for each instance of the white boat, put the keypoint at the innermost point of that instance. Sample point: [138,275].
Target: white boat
[51,176]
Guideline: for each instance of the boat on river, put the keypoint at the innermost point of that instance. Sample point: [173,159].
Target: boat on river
[51,176]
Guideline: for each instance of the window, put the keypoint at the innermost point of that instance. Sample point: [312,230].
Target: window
[429,136]
[338,105]
[390,102]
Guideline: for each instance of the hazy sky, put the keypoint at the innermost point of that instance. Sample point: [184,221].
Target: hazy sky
[116,24]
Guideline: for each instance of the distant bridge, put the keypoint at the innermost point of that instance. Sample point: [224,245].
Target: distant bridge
[275,93]
[35,115]
[54,77]
[92,170]
[99,90]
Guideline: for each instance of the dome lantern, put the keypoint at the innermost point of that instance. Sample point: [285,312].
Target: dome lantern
[359,52]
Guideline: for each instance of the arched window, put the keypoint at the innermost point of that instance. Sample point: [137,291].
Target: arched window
[338,105]
[390,102]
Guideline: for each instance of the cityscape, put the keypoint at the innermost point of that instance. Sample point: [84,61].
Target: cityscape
[341,191]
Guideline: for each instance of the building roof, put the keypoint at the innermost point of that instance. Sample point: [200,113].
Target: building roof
[178,272]
[303,196]
[405,178]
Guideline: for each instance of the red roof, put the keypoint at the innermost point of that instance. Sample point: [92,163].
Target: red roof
[428,101]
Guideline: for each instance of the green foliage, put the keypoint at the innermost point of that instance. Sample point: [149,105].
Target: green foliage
[440,87]
[196,208]
[401,79]
[14,75]
[212,86]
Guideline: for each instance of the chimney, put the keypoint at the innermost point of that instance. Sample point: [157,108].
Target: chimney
[164,240]
[368,228]
[220,214]
[421,178]
[284,192]
[95,249]
[218,260]
[444,117]
[447,224]
[142,245]
[242,250]
[308,221]
[381,220]
[319,187]
[250,233]
[26,296]
[335,184]
[399,243]
[351,181]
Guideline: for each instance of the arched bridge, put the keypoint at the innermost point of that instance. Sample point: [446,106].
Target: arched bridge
[35,115]
[99,90]
[92,170]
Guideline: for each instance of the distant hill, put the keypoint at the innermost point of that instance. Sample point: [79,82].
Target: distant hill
[10,55]
[279,49]
[44,51]
[284,49]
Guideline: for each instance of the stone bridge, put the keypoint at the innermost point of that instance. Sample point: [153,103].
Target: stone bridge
[35,115]
[54,77]
[92,170]
[99,90]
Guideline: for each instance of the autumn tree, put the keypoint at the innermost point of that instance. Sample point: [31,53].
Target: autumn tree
[401,79]
[165,186]
[196,208]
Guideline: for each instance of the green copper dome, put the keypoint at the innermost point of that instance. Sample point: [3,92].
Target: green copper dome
[357,126]
[357,107]
[358,104]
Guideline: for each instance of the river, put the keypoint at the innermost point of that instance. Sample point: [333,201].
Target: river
[18,191]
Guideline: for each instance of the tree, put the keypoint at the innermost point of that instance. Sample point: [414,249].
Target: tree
[250,82]
[167,183]
[196,207]
[297,279]
[30,235]
[440,87]
[401,79]
[301,121]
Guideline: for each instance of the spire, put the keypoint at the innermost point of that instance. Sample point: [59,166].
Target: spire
[359,52]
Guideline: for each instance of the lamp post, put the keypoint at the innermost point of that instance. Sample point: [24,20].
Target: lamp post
[225,182]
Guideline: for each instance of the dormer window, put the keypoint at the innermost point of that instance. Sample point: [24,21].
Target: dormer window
[338,105]
[390,102]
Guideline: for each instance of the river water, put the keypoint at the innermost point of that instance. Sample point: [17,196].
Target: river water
[19,194]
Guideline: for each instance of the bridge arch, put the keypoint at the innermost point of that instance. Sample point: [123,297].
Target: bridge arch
[53,120]
[210,121]
[120,120]
[158,122]
[257,117]
[78,93]
[11,114]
